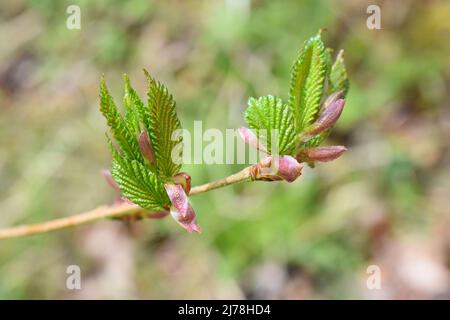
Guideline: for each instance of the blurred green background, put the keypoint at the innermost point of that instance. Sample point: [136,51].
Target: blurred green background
[386,202]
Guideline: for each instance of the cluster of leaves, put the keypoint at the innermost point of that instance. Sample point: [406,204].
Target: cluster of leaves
[314,77]
[143,136]
[142,145]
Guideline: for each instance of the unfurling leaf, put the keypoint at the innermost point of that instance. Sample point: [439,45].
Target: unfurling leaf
[132,104]
[120,130]
[163,122]
[307,82]
[271,118]
[338,86]
[338,80]
[139,184]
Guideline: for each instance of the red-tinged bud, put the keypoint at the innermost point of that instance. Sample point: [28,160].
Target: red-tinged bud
[268,169]
[178,197]
[187,221]
[181,210]
[322,154]
[332,98]
[328,117]
[289,168]
[146,147]
[184,180]
[109,179]
[250,138]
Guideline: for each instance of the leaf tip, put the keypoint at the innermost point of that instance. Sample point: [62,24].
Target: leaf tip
[126,79]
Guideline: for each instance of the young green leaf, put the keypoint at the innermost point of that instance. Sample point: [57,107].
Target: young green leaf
[138,183]
[132,104]
[307,82]
[122,133]
[163,121]
[338,81]
[328,59]
[268,113]
[338,76]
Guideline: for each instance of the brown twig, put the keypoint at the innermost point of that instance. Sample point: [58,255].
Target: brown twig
[103,212]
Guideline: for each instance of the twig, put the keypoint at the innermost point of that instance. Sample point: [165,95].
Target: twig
[103,212]
[242,175]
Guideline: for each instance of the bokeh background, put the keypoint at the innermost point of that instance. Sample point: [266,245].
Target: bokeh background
[386,202]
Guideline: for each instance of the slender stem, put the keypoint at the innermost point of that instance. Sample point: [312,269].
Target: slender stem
[78,219]
[242,175]
[103,212]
